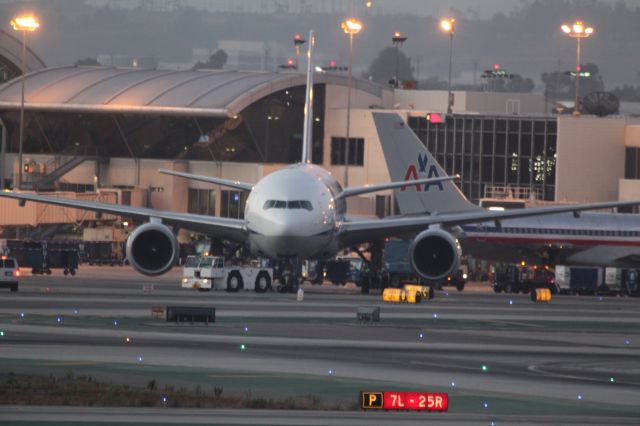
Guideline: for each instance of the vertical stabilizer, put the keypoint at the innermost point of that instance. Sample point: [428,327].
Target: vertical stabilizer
[307,133]
[408,159]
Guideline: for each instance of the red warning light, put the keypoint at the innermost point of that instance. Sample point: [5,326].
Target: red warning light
[578,68]
[496,66]
[435,118]
[289,61]
[333,64]
[297,37]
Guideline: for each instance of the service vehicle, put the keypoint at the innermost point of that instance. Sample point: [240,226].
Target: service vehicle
[397,271]
[189,269]
[579,279]
[10,273]
[512,278]
[458,279]
[339,271]
[591,280]
[622,282]
[44,256]
[213,272]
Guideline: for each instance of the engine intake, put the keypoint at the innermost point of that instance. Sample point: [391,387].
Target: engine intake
[152,249]
[434,254]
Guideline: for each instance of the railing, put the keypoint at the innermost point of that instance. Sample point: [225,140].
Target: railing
[512,192]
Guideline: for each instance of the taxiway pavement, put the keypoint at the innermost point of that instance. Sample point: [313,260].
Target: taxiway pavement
[576,359]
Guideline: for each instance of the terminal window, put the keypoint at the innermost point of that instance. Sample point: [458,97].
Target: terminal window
[338,151]
[494,151]
[232,204]
[202,201]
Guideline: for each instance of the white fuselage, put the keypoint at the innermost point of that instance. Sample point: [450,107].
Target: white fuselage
[594,239]
[293,213]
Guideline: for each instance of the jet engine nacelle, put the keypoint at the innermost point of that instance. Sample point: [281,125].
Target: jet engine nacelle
[435,254]
[152,249]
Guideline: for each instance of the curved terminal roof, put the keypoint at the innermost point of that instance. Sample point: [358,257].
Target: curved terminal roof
[126,90]
[11,51]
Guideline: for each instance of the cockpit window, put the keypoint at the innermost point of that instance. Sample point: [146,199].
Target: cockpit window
[307,205]
[274,204]
[300,204]
[294,204]
[268,204]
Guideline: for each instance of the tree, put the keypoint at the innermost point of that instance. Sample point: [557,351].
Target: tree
[560,85]
[432,83]
[383,68]
[87,62]
[627,93]
[516,84]
[215,61]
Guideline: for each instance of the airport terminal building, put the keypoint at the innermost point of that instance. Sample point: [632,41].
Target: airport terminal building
[102,133]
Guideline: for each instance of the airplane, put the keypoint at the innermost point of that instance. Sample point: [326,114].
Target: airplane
[590,238]
[299,212]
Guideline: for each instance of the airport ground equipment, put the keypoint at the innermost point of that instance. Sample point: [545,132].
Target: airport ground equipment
[190,314]
[395,269]
[44,256]
[368,313]
[400,295]
[213,272]
[9,273]
[541,295]
[579,279]
[511,278]
[101,252]
[590,280]
[338,271]
[425,292]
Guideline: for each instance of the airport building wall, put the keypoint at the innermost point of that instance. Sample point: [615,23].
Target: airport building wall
[471,102]
[590,158]
[491,140]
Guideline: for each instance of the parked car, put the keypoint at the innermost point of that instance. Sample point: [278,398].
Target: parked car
[10,274]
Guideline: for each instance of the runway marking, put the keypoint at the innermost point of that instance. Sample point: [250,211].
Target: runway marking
[242,376]
[536,369]
[517,323]
[60,363]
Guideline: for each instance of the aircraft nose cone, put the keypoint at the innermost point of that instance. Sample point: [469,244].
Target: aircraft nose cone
[284,224]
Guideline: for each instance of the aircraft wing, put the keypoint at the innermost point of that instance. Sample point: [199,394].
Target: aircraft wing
[358,190]
[357,232]
[226,228]
[243,186]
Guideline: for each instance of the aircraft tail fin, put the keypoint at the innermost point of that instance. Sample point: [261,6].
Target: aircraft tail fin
[307,134]
[408,159]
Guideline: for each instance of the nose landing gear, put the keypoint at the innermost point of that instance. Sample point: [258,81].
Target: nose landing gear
[291,278]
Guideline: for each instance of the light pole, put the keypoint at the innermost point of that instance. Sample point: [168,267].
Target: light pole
[449,26]
[24,24]
[351,27]
[578,31]
[298,41]
[397,39]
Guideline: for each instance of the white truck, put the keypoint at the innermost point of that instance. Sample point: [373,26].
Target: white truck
[211,272]
[596,280]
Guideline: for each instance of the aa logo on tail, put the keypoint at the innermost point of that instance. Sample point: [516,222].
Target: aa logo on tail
[423,168]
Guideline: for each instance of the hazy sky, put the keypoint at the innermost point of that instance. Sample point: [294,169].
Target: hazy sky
[526,39]
[483,8]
